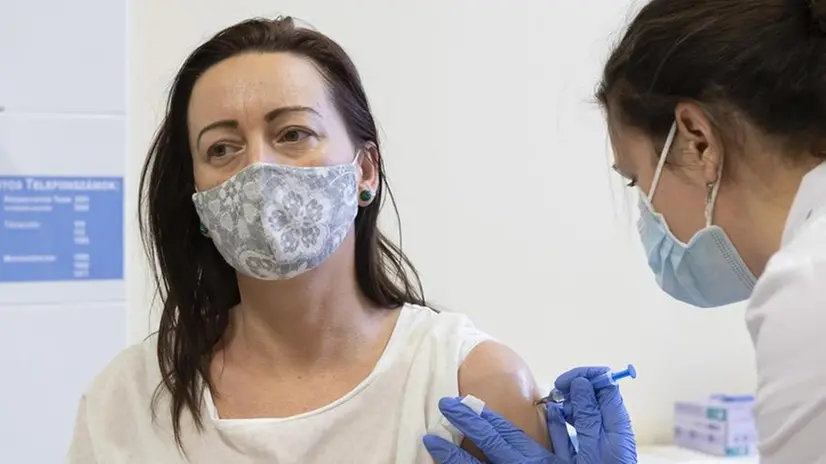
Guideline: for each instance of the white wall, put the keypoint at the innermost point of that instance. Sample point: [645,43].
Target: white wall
[63,89]
[501,167]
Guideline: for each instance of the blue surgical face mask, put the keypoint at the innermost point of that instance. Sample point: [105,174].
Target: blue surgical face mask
[707,271]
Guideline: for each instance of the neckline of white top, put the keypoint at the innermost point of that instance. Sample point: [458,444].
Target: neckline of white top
[384,360]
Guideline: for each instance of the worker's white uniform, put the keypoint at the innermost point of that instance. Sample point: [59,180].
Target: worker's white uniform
[383,420]
[787,320]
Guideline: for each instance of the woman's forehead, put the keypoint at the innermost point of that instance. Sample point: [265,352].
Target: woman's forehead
[630,146]
[257,83]
[618,143]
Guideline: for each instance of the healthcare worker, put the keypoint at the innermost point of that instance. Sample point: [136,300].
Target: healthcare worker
[716,111]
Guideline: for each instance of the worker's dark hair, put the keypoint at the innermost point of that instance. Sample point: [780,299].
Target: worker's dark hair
[762,60]
[197,287]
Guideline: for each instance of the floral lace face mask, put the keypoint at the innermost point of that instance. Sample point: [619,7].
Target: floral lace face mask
[274,222]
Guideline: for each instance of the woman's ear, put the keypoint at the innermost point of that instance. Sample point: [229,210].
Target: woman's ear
[370,163]
[702,145]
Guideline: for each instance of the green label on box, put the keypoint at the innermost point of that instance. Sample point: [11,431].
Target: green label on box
[716,414]
[738,451]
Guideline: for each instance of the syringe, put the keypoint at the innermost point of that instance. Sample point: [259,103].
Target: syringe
[604,380]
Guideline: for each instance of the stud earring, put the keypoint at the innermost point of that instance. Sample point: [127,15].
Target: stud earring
[203,229]
[366,195]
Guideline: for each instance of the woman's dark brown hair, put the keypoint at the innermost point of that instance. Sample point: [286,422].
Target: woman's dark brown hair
[197,287]
[764,60]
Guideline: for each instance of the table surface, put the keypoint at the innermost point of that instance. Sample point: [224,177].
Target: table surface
[674,455]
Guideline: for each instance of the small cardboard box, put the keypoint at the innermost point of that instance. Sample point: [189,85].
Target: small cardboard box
[720,425]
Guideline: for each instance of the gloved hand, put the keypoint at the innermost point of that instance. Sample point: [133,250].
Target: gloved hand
[603,427]
[600,418]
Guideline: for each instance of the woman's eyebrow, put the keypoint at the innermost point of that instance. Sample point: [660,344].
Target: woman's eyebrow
[276,113]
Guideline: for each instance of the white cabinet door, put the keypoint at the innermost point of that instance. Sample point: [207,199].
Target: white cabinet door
[45,147]
[49,355]
[61,56]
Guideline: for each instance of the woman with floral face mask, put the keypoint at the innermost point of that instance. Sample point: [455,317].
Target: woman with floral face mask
[292,330]
[717,115]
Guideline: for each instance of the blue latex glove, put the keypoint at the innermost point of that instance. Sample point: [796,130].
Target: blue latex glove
[600,418]
[603,427]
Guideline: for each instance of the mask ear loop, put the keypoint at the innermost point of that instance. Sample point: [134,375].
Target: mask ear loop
[711,197]
[356,158]
[661,163]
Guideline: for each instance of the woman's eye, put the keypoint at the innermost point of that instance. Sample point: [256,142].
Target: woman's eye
[294,135]
[220,150]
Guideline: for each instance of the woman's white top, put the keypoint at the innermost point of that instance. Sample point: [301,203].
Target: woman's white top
[382,420]
[787,320]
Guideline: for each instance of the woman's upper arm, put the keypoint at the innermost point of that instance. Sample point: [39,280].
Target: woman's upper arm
[495,374]
[787,321]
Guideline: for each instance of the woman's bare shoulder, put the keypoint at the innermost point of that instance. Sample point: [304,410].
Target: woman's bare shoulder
[497,375]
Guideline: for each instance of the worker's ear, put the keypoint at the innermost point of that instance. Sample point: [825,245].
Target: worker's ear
[701,145]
